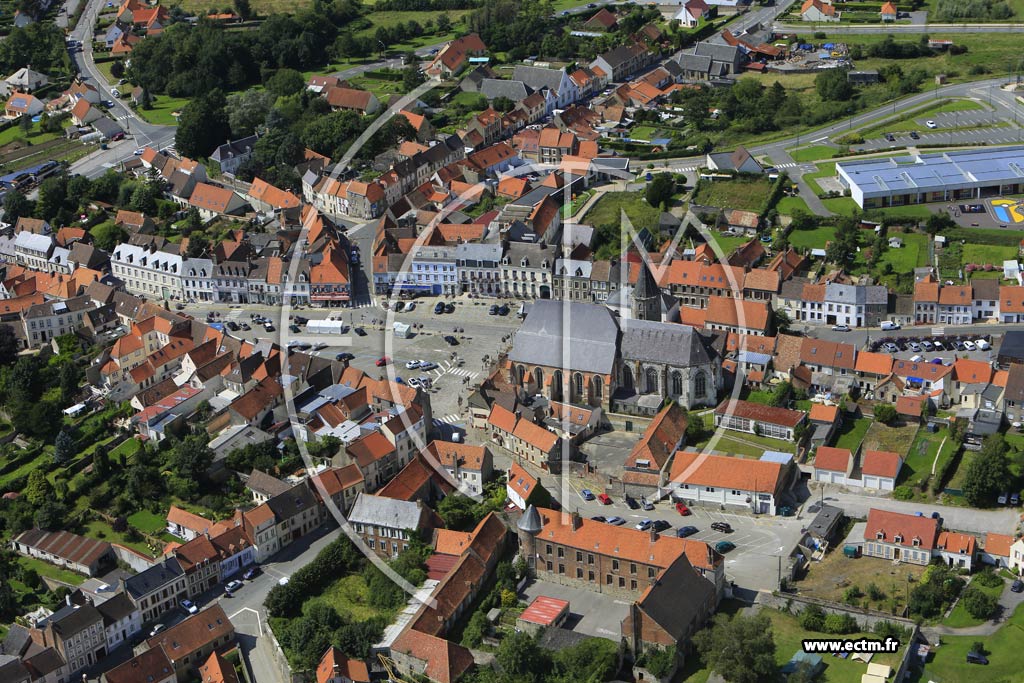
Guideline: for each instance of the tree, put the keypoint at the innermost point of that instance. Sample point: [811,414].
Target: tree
[144,198]
[885,413]
[475,630]
[659,190]
[979,604]
[25,123]
[8,345]
[52,195]
[520,656]
[190,458]
[457,511]
[741,649]
[248,110]
[37,488]
[16,205]
[412,77]
[63,448]
[70,376]
[444,23]
[202,126]
[988,473]
[243,8]
[286,82]
[106,235]
[832,85]
[51,515]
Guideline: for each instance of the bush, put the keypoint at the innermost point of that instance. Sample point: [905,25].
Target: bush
[337,559]
[839,624]
[885,414]
[875,593]
[979,604]
[988,579]
[812,618]
[903,493]
[659,661]
[887,629]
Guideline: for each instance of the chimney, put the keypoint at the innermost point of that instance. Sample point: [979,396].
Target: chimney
[654,535]
[67,599]
[576,520]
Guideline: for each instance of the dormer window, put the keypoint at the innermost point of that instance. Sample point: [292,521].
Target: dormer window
[523,263]
[917,541]
[880,535]
[898,538]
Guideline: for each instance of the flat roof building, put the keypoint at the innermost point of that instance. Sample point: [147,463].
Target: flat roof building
[940,177]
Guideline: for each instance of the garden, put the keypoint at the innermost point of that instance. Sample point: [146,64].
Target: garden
[744,193]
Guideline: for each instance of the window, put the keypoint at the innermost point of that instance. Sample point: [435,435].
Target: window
[700,386]
[677,383]
[548,549]
[579,573]
[579,556]
[561,569]
[549,566]
[577,383]
[632,584]
[651,379]
[632,567]
[590,559]
[561,552]
[622,582]
[590,576]
[650,572]
[615,565]
[608,579]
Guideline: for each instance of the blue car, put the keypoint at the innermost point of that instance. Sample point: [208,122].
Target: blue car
[685,531]
[587,494]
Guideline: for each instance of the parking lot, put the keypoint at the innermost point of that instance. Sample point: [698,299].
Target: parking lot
[939,349]
[760,541]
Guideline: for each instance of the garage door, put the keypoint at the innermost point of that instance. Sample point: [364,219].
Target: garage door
[870,482]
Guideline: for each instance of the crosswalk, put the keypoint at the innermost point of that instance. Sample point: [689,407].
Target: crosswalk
[451,419]
[791,164]
[938,331]
[458,372]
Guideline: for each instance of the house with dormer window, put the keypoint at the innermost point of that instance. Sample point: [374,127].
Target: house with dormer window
[572,280]
[527,270]
[897,536]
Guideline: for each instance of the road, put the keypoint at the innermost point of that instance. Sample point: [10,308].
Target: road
[139,132]
[899,28]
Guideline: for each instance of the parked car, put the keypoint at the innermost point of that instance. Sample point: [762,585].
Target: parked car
[939,346]
[1017,586]
[890,137]
[616,521]
[724,546]
[450,340]
[982,345]
[646,505]
[493,310]
[661,525]
[1015,498]
[914,135]
[724,527]
[412,364]
[439,307]
[251,573]
[644,525]
[604,498]
[969,345]
[891,348]
[631,503]
[382,361]
[927,345]
[189,607]
[599,518]
[157,629]
[427,365]
[686,531]
[233,586]
[840,328]
[915,347]
[231,325]
[449,308]
[294,329]
[269,327]
[587,494]
[503,310]
[931,124]
[682,509]
[1002,498]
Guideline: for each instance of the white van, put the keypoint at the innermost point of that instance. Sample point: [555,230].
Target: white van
[889,325]
[982,345]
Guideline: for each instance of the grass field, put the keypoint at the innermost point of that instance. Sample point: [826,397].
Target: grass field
[163,108]
[881,437]
[128,448]
[852,432]
[917,466]
[726,243]
[749,445]
[1006,656]
[912,254]
[51,571]
[607,210]
[813,153]
[787,206]
[748,195]
[148,522]
[987,253]
[350,596]
[101,530]
[830,578]
[15,134]
[812,239]
[959,617]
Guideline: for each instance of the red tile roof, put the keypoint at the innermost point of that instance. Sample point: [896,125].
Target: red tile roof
[823,413]
[908,527]
[443,661]
[334,663]
[955,542]
[760,412]
[881,463]
[722,471]
[998,544]
[832,459]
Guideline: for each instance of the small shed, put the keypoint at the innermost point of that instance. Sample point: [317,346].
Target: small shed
[543,612]
[804,658]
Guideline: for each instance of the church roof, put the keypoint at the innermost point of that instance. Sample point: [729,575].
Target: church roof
[646,286]
[659,342]
[587,343]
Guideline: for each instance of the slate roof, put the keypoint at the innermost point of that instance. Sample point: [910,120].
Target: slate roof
[588,343]
[670,343]
[387,512]
[677,599]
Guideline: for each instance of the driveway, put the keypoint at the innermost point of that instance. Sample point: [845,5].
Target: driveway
[592,614]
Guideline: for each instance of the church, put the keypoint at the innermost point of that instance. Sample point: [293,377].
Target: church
[586,355]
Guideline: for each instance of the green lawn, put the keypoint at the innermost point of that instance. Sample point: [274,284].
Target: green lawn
[843,206]
[1005,656]
[881,437]
[956,482]
[917,465]
[51,571]
[812,153]
[787,206]
[852,432]
[726,243]
[148,522]
[825,170]
[959,618]
[912,211]
[163,108]
[605,215]
[349,595]
[912,254]
[101,530]
[35,136]
[128,448]
[987,253]
[812,239]
[748,195]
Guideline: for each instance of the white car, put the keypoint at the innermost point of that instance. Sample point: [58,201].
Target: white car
[411,306]
[412,365]
[969,345]
[931,124]
[233,586]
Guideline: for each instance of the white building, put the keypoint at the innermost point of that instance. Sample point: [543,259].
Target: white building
[434,270]
[147,272]
[755,485]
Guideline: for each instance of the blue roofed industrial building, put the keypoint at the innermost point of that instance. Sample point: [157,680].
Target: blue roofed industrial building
[940,177]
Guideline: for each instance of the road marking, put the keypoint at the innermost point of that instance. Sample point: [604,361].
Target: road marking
[259,621]
[452,419]
[820,139]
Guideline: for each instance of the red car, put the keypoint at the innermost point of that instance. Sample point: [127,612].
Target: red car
[605,500]
[682,509]
[382,361]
